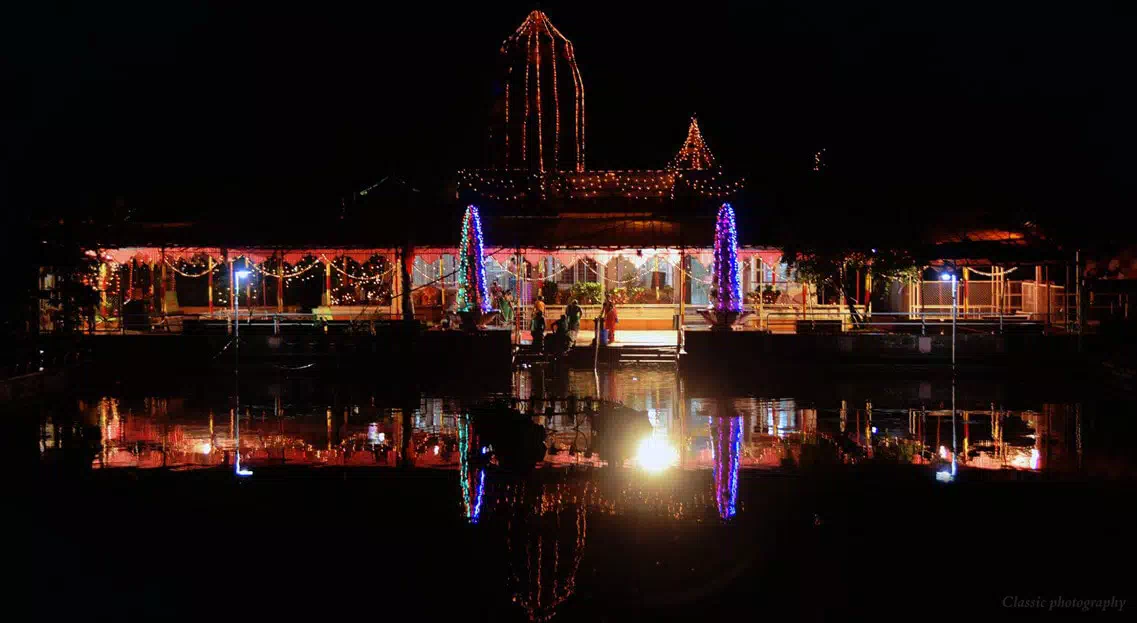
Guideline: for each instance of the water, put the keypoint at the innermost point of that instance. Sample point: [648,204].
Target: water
[841,499]
[283,426]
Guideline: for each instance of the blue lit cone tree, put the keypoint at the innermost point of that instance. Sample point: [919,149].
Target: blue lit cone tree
[727,308]
[474,306]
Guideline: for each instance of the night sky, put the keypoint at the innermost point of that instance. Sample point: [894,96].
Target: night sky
[995,112]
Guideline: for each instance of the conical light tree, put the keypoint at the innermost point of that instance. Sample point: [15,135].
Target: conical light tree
[473,294]
[728,307]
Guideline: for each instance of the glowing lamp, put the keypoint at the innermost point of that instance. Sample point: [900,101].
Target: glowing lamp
[655,455]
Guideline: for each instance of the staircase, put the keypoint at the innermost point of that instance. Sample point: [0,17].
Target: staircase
[623,355]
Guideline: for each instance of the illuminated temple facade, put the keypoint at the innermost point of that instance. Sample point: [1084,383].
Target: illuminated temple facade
[553,228]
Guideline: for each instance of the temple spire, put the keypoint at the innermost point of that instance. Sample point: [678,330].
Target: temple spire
[694,154]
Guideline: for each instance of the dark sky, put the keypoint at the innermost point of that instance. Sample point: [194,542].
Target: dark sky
[1005,110]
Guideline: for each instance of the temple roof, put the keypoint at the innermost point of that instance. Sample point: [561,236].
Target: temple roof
[694,154]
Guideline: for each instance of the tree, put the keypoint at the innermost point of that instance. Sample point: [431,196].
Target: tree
[837,267]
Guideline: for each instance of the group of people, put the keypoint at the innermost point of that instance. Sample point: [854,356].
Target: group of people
[564,330]
[567,327]
[502,301]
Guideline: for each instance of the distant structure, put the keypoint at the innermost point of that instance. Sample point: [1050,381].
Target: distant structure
[537,139]
[542,109]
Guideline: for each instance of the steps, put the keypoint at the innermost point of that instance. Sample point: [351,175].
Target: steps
[582,356]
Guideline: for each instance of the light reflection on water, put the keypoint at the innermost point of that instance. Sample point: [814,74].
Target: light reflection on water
[766,432]
[544,520]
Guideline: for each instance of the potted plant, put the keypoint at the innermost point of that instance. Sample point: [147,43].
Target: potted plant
[770,295]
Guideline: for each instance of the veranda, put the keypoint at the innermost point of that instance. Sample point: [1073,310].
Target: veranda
[657,290]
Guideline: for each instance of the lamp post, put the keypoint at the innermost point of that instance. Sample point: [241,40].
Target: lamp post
[237,275]
[949,276]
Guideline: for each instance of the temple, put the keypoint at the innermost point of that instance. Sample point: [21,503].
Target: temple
[553,228]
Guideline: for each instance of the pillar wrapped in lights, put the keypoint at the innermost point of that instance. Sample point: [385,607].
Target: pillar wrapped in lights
[474,306]
[727,308]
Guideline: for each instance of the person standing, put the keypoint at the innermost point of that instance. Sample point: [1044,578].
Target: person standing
[610,320]
[537,328]
[539,306]
[574,312]
[507,308]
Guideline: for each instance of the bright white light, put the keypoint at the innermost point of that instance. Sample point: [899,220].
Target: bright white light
[945,276]
[944,476]
[241,274]
[874,430]
[943,452]
[1034,458]
[244,472]
[435,450]
[874,250]
[655,455]
[382,437]
[204,448]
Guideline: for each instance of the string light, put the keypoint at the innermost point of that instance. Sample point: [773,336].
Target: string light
[472,290]
[727,280]
[524,46]
[514,185]
[818,160]
[694,154]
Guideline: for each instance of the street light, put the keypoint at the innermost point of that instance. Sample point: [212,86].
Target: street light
[237,469]
[237,299]
[950,276]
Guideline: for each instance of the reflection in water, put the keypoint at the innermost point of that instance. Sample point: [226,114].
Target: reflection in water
[472,503]
[726,451]
[546,526]
[683,430]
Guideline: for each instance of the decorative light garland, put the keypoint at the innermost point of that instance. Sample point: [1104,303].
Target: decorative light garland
[343,272]
[184,274]
[694,154]
[524,46]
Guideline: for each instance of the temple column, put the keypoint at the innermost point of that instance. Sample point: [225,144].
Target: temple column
[162,285]
[327,282]
[406,265]
[209,288]
[682,295]
[280,285]
[232,291]
[442,284]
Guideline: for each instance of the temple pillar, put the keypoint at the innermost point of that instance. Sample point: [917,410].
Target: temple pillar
[162,285]
[406,265]
[327,298]
[280,285]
